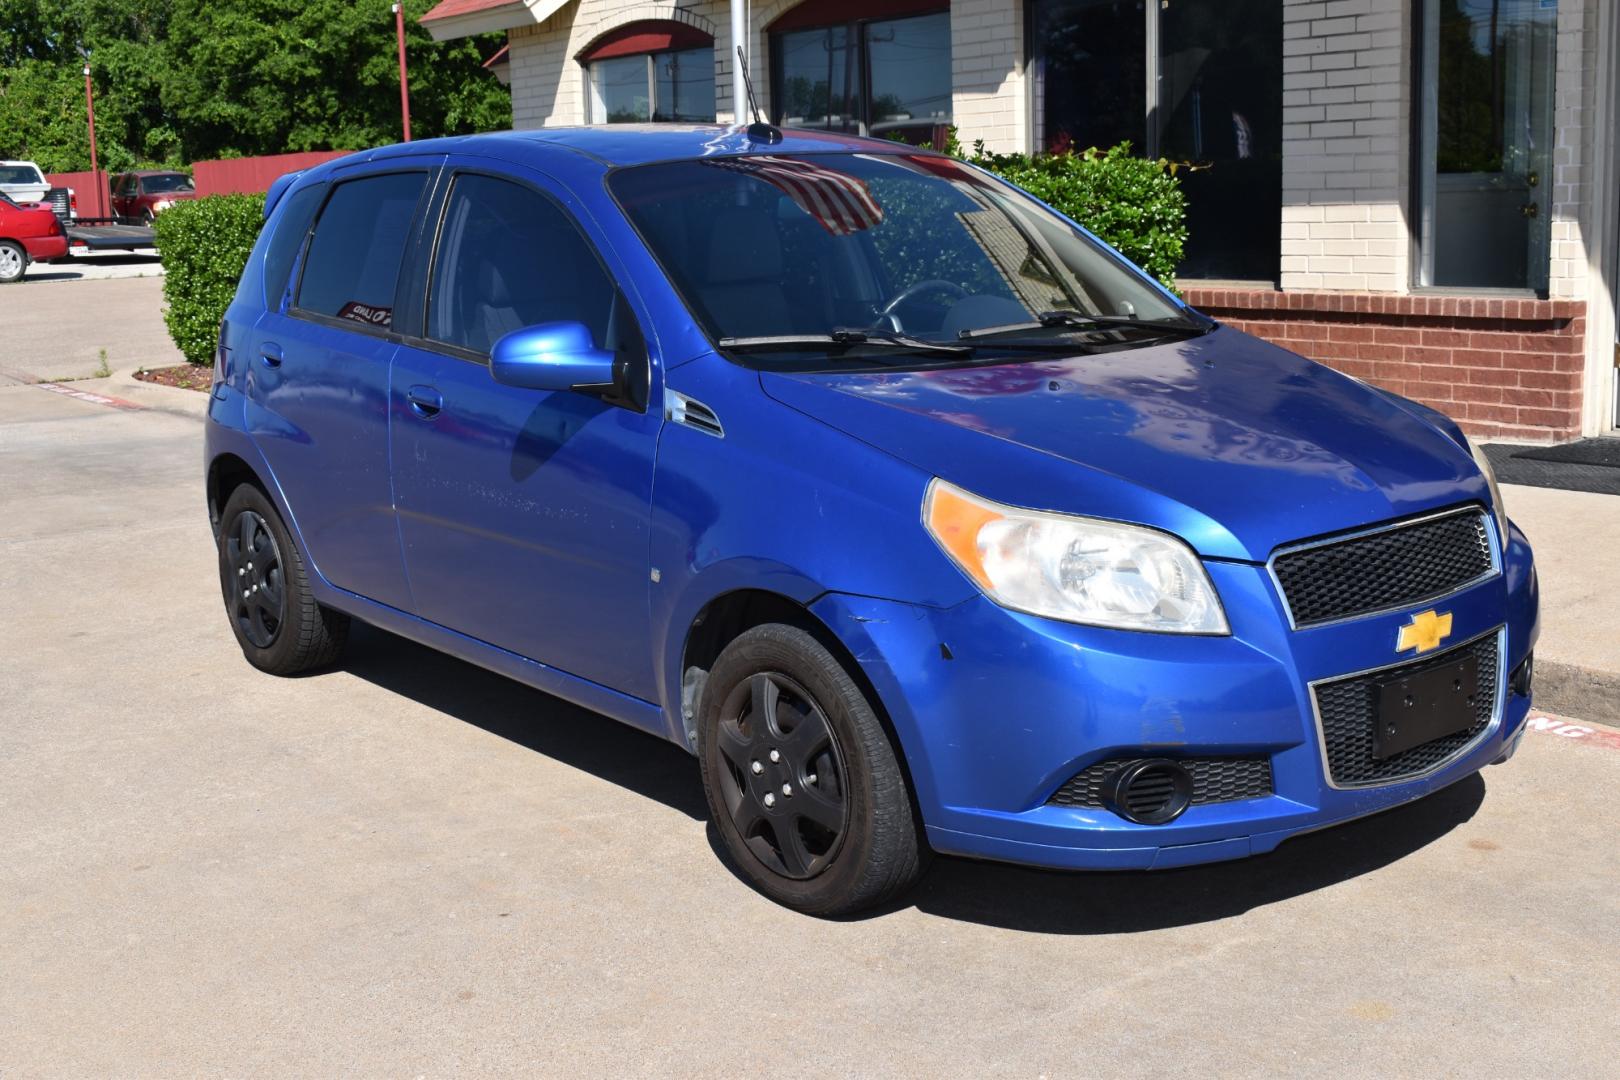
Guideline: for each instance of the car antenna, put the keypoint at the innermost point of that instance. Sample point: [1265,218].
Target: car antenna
[759,130]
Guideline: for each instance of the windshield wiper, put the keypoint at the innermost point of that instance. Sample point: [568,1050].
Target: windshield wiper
[845,338]
[1074,320]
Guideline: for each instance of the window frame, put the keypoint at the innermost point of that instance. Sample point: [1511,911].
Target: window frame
[422,254]
[855,31]
[301,264]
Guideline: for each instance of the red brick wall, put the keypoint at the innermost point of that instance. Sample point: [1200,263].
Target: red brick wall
[1505,368]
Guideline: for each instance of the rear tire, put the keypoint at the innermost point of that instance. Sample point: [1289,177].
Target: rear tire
[275,618]
[13,261]
[802,781]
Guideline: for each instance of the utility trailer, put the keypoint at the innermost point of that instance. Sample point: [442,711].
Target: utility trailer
[108,234]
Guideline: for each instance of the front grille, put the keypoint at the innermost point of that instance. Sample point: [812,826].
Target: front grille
[1214,780]
[1392,568]
[1346,709]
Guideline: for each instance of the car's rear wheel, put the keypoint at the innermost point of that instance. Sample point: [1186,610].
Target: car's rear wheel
[802,780]
[278,624]
[13,261]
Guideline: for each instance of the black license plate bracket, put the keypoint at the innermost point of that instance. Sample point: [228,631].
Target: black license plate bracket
[1419,708]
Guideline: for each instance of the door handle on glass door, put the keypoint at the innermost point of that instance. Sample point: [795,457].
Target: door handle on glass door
[425,401]
[1530,209]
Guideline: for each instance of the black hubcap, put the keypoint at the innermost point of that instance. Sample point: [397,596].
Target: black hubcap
[253,579]
[783,783]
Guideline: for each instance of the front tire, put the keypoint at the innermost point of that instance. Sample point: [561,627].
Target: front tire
[802,781]
[275,618]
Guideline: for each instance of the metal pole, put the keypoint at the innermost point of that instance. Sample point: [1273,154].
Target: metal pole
[404,85]
[95,168]
[739,32]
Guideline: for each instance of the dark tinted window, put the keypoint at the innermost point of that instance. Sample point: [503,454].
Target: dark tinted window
[291,227]
[508,257]
[353,262]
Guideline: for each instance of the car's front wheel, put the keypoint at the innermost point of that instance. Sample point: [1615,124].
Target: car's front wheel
[803,783]
[280,627]
[13,261]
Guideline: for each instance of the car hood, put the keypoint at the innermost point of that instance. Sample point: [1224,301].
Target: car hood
[1233,444]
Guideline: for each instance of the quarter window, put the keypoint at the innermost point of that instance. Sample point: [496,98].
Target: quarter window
[291,228]
[353,264]
[507,258]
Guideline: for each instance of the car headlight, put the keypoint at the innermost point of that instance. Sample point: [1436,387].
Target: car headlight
[1497,508]
[1077,569]
[161,204]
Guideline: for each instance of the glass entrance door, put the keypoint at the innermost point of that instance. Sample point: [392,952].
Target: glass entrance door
[1485,161]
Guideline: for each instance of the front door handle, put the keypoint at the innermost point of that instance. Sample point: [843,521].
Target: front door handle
[270,353]
[425,401]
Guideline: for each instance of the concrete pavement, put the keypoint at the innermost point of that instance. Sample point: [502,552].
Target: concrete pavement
[408,864]
[59,329]
[1576,536]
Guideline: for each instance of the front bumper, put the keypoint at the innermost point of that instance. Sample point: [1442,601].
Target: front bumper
[995,710]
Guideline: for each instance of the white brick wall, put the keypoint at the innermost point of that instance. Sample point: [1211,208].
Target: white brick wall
[989,96]
[1345,145]
[1573,144]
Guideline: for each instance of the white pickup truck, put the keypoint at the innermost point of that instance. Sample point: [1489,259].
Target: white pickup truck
[23,181]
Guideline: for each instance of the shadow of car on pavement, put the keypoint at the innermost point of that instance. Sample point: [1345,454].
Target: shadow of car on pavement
[991,894]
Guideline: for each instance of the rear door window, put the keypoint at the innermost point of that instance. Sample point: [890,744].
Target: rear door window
[352,268]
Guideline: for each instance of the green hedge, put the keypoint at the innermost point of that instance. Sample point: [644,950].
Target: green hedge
[1135,204]
[204,244]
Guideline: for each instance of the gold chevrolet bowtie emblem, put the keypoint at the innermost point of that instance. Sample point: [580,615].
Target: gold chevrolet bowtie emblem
[1425,632]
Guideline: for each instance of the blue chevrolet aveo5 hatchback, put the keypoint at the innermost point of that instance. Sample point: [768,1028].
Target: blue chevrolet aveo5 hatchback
[924,520]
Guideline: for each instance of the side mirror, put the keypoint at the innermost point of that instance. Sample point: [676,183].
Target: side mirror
[551,356]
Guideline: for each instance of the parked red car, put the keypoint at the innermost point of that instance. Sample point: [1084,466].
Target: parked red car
[28,231]
[143,195]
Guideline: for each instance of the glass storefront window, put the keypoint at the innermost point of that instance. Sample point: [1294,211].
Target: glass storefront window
[1484,159]
[884,77]
[676,85]
[910,65]
[818,85]
[1220,112]
[683,87]
[1090,60]
[1208,97]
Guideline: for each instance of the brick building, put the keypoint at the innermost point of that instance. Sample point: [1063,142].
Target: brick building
[1422,193]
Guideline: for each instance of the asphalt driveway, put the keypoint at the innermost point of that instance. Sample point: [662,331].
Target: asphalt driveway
[410,866]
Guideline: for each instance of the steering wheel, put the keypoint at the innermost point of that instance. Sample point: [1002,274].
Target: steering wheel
[911,292]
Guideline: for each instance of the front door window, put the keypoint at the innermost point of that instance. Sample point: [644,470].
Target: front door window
[1485,142]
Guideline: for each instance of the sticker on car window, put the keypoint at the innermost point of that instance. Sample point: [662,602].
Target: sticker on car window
[382,317]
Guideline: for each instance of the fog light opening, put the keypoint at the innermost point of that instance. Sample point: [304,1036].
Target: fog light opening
[1153,791]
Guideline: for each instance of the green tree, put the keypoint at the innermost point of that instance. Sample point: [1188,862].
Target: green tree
[257,77]
[183,80]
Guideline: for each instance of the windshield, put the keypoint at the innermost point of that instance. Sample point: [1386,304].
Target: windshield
[165,184]
[20,174]
[800,246]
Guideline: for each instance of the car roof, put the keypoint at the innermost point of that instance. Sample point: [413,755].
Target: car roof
[19,162]
[637,144]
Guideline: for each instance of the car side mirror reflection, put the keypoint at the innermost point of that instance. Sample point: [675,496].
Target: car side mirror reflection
[552,356]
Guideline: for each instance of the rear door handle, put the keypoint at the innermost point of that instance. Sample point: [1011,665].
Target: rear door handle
[270,353]
[425,401]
